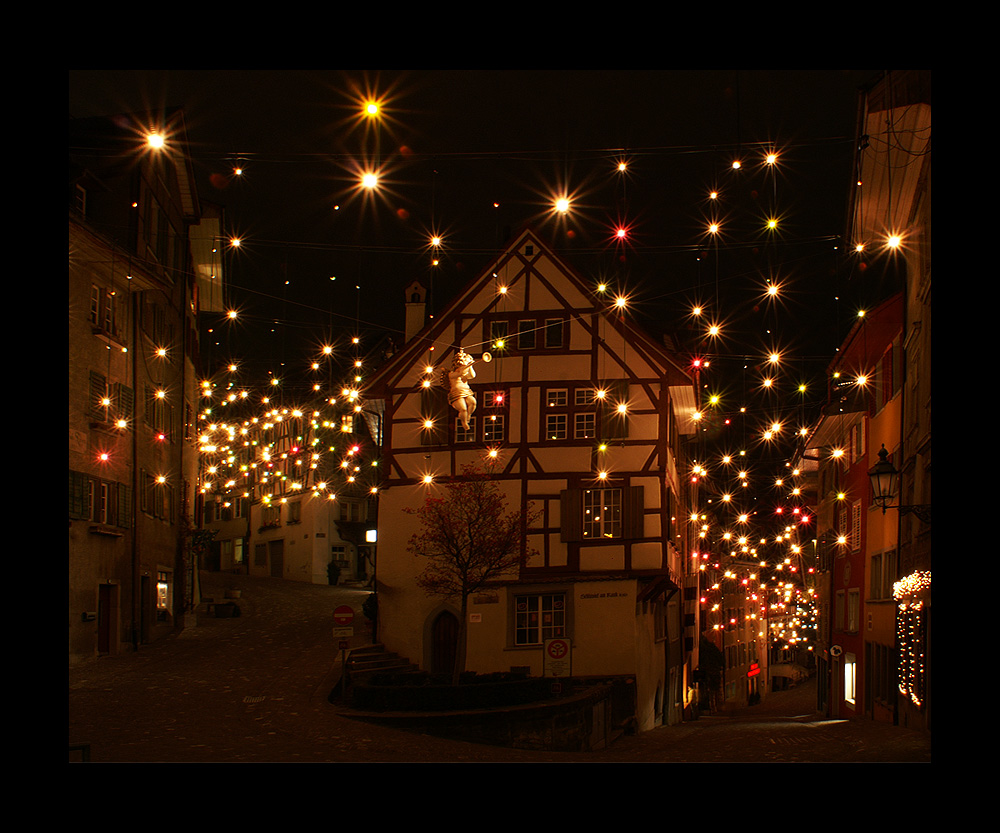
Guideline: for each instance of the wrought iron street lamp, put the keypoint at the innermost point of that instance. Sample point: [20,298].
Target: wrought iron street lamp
[885,484]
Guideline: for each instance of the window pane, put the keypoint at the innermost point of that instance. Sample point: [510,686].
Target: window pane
[553,332]
[602,513]
[525,335]
[557,397]
[493,428]
[585,426]
[539,617]
[555,426]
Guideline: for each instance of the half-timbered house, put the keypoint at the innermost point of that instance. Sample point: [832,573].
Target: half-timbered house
[580,415]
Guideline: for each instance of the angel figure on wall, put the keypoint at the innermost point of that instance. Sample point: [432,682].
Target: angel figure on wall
[460,395]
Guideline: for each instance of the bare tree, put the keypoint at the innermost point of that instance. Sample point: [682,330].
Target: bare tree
[471,539]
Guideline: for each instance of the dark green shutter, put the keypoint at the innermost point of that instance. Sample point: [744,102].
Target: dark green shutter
[633,512]
[571,515]
[79,495]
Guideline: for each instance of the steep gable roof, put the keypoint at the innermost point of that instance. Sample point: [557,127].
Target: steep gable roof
[484,296]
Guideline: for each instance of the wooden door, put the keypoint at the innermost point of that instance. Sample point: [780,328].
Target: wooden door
[444,643]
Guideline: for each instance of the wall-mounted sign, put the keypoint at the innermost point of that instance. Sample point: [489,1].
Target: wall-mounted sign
[557,655]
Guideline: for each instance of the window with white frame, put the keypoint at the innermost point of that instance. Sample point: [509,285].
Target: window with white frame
[538,617]
[494,428]
[585,425]
[555,427]
[463,434]
[557,397]
[602,513]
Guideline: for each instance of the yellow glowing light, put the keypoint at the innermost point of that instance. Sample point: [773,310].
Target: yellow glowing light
[369,180]
[562,205]
[771,158]
[713,228]
[154,140]
[620,302]
[772,223]
[371,108]
[894,241]
[428,478]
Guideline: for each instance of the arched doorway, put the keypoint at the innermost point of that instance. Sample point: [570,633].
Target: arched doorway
[444,642]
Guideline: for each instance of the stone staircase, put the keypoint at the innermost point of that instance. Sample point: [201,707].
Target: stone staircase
[375,659]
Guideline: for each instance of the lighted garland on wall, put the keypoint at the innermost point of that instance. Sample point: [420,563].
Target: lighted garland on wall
[912,593]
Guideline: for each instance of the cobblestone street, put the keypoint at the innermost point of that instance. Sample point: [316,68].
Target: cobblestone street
[254,689]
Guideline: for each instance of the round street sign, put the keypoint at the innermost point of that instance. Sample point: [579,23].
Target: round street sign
[343,615]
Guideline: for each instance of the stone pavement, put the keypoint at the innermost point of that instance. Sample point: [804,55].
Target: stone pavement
[254,689]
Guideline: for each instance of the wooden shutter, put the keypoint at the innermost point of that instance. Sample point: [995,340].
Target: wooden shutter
[79,495]
[633,512]
[571,515]
[124,518]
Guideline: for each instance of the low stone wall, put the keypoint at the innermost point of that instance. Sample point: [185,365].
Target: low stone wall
[577,723]
[382,693]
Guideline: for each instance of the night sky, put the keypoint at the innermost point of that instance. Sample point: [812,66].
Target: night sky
[453,143]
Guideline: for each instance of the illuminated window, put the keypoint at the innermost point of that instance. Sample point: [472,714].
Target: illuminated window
[602,513]
[164,596]
[850,678]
